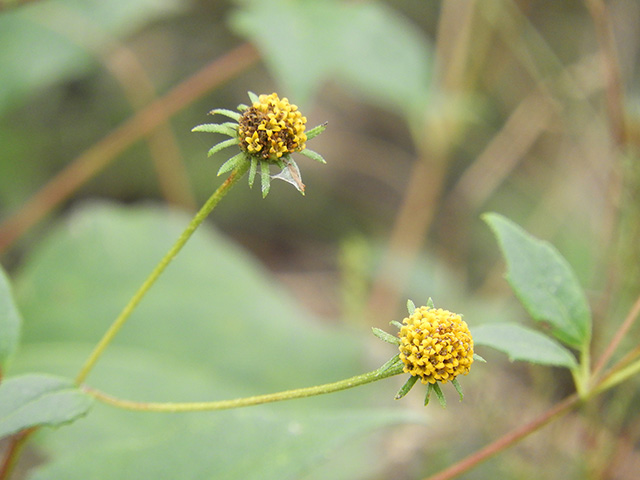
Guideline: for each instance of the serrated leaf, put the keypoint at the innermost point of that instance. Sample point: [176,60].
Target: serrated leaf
[221,146]
[10,321]
[36,400]
[544,282]
[523,344]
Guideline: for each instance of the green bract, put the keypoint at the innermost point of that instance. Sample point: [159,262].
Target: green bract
[267,132]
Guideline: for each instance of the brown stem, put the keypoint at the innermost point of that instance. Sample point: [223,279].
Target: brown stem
[13,452]
[507,440]
[99,155]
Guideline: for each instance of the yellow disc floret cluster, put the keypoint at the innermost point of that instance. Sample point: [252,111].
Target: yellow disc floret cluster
[271,128]
[435,345]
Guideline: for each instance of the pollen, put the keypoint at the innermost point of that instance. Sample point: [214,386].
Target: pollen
[272,127]
[435,345]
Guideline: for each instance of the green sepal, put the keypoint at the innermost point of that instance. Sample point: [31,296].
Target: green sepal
[435,387]
[222,145]
[458,388]
[232,163]
[265,178]
[228,113]
[392,362]
[315,131]
[411,307]
[479,358]
[242,107]
[406,387]
[430,303]
[252,171]
[253,97]
[384,336]
[226,128]
[395,323]
[313,155]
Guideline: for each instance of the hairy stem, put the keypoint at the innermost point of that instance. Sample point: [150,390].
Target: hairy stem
[155,274]
[169,407]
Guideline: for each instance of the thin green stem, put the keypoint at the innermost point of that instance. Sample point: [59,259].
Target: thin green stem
[169,407]
[115,327]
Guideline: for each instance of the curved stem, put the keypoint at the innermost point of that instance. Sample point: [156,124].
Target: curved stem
[169,407]
[151,279]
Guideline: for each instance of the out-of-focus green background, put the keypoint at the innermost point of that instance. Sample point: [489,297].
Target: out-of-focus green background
[437,112]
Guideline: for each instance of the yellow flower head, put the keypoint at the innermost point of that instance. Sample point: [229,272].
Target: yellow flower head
[435,345]
[271,128]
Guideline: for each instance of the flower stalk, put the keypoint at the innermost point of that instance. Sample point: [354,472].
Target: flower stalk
[197,220]
[169,407]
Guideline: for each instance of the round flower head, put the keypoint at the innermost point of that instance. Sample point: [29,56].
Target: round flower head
[267,132]
[435,345]
[271,128]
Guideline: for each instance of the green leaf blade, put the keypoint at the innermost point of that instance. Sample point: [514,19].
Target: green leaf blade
[10,321]
[544,282]
[523,344]
[34,400]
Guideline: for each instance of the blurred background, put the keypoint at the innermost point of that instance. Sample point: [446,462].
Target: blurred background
[437,112]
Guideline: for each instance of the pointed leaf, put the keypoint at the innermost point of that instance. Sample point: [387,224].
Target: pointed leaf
[430,303]
[232,163]
[458,388]
[33,400]
[253,97]
[229,113]
[387,337]
[411,307]
[222,145]
[315,131]
[223,128]
[406,387]
[523,344]
[438,391]
[9,321]
[395,323]
[265,178]
[544,282]
[252,171]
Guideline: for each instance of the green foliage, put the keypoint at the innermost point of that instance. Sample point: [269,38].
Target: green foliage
[380,54]
[46,43]
[36,400]
[9,321]
[544,282]
[524,344]
[214,327]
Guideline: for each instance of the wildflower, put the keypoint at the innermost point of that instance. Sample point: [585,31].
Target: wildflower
[267,132]
[435,346]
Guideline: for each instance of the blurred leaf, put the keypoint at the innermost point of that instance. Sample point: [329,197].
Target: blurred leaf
[49,42]
[215,326]
[544,282]
[524,344]
[376,51]
[30,400]
[9,321]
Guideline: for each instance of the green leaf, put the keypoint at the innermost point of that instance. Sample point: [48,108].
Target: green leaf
[408,385]
[42,46]
[35,400]
[223,128]
[387,337]
[523,344]
[9,321]
[265,177]
[544,282]
[222,145]
[313,155]
[228,113]
[315,131]
[232,163]
[355,43]
[438,391]
[411,307]
[215,326]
